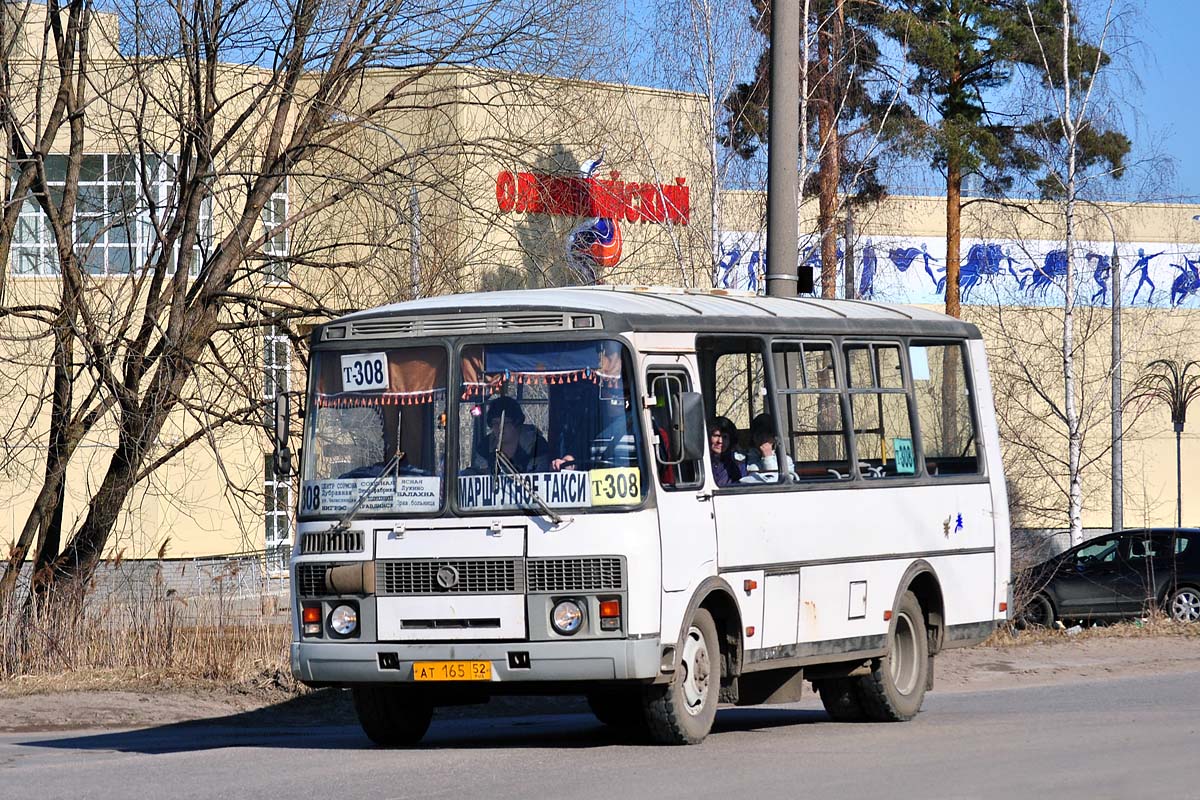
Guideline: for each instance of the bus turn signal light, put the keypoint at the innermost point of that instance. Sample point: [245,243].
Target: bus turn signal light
[610,615]
[1004,606]
[310,617]
[887,615]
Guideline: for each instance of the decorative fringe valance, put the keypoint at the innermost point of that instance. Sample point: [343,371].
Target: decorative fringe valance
[494,384]
[363,399]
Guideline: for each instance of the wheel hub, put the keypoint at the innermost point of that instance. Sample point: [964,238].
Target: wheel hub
[1186,606]
[696,671]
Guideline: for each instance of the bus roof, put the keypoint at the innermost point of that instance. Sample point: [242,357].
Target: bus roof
[644,308]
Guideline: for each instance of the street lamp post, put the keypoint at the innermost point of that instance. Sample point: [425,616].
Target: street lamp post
[1176,385]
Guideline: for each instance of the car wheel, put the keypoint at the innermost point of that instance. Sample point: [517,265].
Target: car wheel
[391,716]
[894,690]
[1183,604]
[1038,613]
[682,711]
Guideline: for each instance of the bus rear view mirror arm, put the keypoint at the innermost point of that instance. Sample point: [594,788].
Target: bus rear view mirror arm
[282,432]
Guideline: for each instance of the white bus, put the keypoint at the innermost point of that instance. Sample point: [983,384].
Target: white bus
[660,499]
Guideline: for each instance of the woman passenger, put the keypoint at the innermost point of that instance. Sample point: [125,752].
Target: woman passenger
[721,435]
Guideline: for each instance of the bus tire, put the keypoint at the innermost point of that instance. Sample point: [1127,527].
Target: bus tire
[682,711]
[895,688]
[618,708]
[391,716]
[841,700]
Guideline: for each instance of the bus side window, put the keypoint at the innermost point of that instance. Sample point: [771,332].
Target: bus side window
[944,412]
[811,403]
[879,410]
[735,387]
[673,473]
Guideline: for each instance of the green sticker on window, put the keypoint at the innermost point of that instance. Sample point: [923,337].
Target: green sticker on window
[905,463]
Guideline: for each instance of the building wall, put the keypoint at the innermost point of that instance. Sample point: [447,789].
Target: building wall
[441,202]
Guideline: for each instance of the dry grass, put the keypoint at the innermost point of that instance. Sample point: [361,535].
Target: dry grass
[1153,624]
[148,640]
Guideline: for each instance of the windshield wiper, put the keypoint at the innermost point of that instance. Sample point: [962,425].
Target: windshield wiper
[504,464]
[501,462]
[343,523]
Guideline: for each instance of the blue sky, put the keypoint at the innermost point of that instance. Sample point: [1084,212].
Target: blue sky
[1160,100]
[1169,65]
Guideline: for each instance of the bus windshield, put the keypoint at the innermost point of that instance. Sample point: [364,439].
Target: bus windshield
[548,421]
[377,425]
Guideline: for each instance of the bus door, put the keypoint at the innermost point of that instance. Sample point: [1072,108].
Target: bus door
[685,513]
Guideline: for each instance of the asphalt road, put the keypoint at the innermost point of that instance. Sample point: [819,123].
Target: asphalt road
[1121,738]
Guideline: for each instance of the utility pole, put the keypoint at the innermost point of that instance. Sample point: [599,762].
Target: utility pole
[1118,466]
[783,131]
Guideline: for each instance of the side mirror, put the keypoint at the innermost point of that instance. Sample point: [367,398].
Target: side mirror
[282,455]
[691,426]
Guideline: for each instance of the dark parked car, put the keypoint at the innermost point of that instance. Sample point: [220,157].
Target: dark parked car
[1118,575]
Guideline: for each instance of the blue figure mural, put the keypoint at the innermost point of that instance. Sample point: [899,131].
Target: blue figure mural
[1143,265]
[730,275]
[754,270]
[726,265]
[866,281]
[1101,272]
[1187,282]
[904,257]
[1040,279]
[983,262]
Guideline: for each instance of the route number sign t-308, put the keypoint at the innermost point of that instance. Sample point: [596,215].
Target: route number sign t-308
[364,372]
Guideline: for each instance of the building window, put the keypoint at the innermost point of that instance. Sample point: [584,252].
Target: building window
[276,360]
[113,227]
[276,247]
[277,354]
[277,498]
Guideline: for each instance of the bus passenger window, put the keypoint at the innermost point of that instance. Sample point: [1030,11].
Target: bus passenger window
[879,410]
[944,412]
[734,380]
[811,403]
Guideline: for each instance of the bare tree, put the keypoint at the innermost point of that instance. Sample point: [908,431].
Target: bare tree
[219,113]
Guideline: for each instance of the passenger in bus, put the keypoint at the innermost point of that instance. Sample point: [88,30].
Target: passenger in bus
[762,460]
[721,435]
[523,444]
[613,443]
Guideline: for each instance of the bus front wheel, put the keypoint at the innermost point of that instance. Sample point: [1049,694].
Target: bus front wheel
[895,687]
[391,716]
[682,711]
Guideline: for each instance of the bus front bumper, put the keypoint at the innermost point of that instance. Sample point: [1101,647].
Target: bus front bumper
[325,663]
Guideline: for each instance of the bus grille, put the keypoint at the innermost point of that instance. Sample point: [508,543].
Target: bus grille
[574,574]
[331,542]
[310,580]
[466,576]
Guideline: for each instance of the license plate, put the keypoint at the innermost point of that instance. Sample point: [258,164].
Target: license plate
[452,671]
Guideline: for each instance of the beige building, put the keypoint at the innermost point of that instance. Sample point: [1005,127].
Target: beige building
[495,180]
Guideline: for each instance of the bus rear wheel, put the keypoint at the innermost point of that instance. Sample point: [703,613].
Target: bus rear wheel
[895,687]
[391,716]
[682,711]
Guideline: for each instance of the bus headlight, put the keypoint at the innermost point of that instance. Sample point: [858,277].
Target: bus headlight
[566,617]
[344,620]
